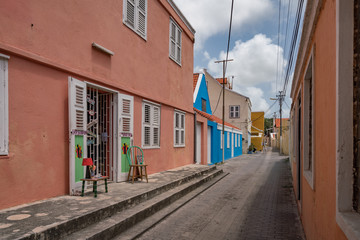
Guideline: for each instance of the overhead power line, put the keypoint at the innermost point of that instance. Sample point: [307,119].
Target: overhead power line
[293,44]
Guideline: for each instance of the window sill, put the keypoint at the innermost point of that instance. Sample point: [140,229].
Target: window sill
[309,178]
[173,59]
[150,147]
[6,157]
[349,222]
[179,146]
[135,31]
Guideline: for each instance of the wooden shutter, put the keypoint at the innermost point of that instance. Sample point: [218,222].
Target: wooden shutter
[129,13]
[77,129]
[141,17]
[4,114]
[156,123]
[126,104]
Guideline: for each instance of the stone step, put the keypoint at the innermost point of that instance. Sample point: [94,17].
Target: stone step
[55,229]
[129,217]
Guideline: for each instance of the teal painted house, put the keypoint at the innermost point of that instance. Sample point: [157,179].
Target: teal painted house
[208,129]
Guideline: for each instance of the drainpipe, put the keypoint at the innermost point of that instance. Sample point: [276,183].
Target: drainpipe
[194,137]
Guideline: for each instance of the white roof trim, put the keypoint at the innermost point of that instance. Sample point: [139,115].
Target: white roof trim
[197,87]
[182,17]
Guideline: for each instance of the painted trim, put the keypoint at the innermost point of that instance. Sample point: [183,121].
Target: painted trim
[101,48]
[181,15]
[5,96]
[4,56]
[93,85]
[311,16]
[309,175]
[197,87]
[347,219]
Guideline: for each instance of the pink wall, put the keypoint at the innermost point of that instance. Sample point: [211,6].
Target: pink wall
[318,207]
[57,46]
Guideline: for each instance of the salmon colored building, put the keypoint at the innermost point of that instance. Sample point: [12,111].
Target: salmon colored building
[89,80]
[325,121]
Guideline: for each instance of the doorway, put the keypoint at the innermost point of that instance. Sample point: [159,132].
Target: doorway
[198,143]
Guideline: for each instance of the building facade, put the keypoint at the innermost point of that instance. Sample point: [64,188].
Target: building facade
[208,130]
[257,129]
[89,80]
[325,119]
[237,108]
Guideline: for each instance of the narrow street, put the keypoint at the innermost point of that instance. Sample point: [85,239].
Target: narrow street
[255,201]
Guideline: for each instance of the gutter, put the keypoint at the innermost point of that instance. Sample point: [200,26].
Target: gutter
[194,137]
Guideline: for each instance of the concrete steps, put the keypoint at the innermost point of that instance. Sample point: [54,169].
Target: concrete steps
[133,221]
[116,213]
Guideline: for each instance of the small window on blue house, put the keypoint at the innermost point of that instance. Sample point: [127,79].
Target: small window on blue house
[203,105]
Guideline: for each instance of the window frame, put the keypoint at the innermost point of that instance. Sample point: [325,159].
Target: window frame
[177,40]
[180,128]
[137,9]
[233,112]
[346,217]
[151,124]
[4,116]
[309,124]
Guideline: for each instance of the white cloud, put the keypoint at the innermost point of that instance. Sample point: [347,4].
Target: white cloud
[256,96]
[254,69]
[254,62]
[210,17]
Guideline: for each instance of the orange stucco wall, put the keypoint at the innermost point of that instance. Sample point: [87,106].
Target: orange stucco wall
[318,206]
[47,42]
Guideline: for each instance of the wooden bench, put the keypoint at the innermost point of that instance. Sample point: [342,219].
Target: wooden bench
[94,180]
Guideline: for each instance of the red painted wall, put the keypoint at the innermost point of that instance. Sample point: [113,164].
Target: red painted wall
[47,42]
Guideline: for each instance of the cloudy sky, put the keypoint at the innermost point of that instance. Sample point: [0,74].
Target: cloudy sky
[255,46]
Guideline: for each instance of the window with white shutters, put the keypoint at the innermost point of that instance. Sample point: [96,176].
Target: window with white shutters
[175,42]
[151,125]
[234,111]
[4,112]
[134,16]
[179,129]
[126,113]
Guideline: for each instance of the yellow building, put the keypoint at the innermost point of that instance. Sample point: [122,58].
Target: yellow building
[257,129]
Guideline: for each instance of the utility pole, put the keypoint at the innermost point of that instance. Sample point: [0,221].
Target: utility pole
[281,98]
[224,62]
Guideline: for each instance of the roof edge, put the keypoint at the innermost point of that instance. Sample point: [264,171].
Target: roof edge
[181,15]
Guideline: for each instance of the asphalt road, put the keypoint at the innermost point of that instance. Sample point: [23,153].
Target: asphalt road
[255,201]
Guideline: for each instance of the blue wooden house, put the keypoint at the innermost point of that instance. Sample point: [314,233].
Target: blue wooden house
[208,129]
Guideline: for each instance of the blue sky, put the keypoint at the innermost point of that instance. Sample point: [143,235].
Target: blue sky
[254,45]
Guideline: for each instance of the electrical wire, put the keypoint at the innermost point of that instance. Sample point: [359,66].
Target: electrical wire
[278,49]
[264,112]
[227,52]
[286,36]
[293,44]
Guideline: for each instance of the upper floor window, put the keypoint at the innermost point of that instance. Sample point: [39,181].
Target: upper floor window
[151,125]
[179,129]
[134,16]
[235,111]
[4,114]
[175,42]
[203,105]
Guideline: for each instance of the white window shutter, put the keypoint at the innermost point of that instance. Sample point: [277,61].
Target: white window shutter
[77,105]
[141,17]
[129,13]
[4,111]
[126,104]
